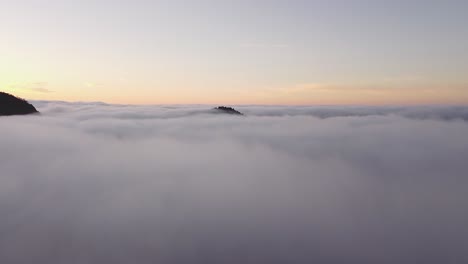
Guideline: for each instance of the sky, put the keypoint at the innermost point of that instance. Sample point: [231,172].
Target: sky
[101,183]
[293,52]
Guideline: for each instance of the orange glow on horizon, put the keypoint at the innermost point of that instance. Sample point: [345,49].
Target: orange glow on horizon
[281,97]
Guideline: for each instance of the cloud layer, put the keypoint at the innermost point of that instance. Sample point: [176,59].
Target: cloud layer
[97,183]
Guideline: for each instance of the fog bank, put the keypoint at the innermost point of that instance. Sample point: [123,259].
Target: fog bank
[98,183]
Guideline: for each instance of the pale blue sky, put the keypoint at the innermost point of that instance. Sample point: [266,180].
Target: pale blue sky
[236,51]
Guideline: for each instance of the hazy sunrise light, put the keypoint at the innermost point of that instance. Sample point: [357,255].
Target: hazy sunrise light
[233,131]
[239,52]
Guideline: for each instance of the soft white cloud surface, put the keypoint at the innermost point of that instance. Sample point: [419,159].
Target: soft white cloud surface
[97,183]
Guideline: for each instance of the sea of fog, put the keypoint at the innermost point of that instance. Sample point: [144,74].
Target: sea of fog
[97,183]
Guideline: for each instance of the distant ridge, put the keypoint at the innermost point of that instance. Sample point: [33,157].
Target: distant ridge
[12,105]
[227,110]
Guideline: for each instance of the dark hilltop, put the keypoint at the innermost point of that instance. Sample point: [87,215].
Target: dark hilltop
[227,110]
[12,105]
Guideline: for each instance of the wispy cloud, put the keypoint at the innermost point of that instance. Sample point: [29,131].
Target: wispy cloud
[41,90]
[92,85]
[254,45]
[39,87]
[386,85]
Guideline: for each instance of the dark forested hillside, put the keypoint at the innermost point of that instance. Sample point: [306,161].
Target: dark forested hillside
[227,110]
[12,105]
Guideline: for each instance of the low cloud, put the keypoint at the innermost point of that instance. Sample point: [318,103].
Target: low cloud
[99,183]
